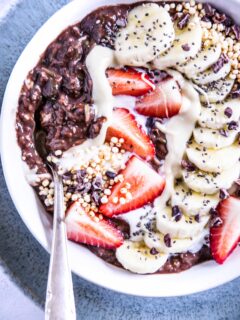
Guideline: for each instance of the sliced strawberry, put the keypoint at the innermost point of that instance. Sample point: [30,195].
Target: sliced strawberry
[143,183]
[224,238]
[124,125]
[164,102]
[129,82]
[85,229]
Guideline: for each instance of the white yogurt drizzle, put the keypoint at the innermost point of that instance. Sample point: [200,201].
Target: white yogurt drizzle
[178,131]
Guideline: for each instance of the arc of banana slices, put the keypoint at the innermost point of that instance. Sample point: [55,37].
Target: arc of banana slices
[137,257]
[213,150]
[149,32]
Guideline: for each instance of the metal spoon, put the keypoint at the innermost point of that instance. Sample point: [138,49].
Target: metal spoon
[60,304]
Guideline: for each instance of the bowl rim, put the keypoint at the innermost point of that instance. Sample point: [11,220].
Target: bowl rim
[157,285]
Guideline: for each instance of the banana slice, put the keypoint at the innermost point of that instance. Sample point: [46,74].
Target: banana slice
[211,160]
[210,76]
[202,61]
[213,116]
[217,91]
[186,227]
[190,37]
[149,32]
[210,183]
[136,257]
[156,240]
[191,202]
[216,139]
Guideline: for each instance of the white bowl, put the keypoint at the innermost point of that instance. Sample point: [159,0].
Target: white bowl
[83,262]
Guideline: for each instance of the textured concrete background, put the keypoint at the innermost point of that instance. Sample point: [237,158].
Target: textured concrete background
[27,263]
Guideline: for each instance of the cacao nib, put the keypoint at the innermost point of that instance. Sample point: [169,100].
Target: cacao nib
[87,187]
[236,31]
[186,47]
[233,125]
[219,17]
[111,174]
[183,21]
[213,212]
[206,19]
[80,187]
[96,197]
[176,213]
[223,132]
[223,194]
[81,174]
[167,240]
[209,10]
[236,92]
[189,166]
[220,63]
[153,251]
[97,184]
[228,112]
[158,138]
[228,23]
[197,217]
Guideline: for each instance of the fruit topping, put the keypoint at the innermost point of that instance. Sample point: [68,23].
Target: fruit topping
[224,237]
[164,102]
[125,126]
[139,186]
[129,82]
[92,230]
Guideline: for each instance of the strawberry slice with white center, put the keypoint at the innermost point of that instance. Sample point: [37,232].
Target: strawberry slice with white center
[140,185]
[164,102]
[129,82]
[124,125]
[83,228]
[224,238]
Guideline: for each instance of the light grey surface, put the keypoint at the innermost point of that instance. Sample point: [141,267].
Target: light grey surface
[26,261]
[14,304]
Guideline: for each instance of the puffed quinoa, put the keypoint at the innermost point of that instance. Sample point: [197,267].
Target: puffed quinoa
[115,200]
[122,200]
[114,140]
[107,192]
[104,200]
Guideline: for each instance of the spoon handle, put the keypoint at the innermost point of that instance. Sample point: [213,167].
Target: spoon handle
[60,303]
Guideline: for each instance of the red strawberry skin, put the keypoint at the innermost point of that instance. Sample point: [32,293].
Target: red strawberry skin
[164,102]
[82,228]
[145,185]
[129,82]
[124,125]
[224,238]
